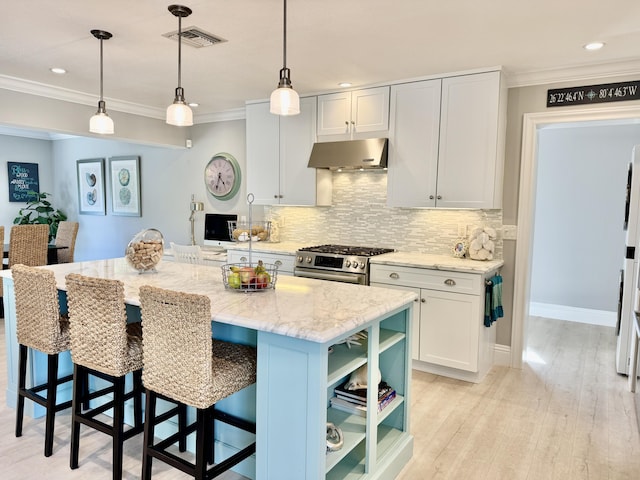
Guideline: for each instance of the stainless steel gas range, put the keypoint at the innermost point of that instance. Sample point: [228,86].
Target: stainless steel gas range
[339,263]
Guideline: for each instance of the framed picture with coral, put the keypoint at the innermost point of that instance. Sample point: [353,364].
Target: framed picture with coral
[125,185]
[91,194]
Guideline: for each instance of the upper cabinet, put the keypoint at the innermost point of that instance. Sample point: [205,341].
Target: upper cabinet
[446,142]
[278,150]
[353,115]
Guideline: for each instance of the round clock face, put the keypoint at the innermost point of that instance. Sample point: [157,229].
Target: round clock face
[222,176]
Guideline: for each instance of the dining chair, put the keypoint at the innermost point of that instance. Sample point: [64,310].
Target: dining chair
[103,347]
[41,327]
[28,245]
[66,237]
[187,253]
[185,366]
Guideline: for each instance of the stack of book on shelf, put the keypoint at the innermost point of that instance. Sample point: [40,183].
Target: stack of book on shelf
[355,401]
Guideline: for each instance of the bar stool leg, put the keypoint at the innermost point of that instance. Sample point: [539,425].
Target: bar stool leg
[182,427]
[118,426]
[22,376]
[137,397]
[202,452]
[79,377]
[149,431]
[52,391]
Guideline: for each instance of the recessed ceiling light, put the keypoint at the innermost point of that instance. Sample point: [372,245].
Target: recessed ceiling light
[58,70]
[193,104]
[594,46]
[345,84]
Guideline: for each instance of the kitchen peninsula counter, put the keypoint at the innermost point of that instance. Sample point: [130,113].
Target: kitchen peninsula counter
[294,325]
[437,262]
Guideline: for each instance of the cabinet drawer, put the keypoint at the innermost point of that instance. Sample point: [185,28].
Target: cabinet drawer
[285,262]
[470,283]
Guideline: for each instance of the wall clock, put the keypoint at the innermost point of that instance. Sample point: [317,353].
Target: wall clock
[222,176]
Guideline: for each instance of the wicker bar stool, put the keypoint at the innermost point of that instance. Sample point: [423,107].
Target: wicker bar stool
[184,365]
[40,327]
[103,345]
[28,245]
[66,237]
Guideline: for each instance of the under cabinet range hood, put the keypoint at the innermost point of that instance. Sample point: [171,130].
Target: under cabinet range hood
[350,154]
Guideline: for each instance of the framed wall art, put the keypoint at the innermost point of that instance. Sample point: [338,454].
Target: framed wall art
[23,181]
[125,185]
[91,194]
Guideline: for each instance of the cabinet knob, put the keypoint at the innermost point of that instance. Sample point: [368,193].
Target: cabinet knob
[275,196]
[423,300]
[243,259]
[278,263]
[394,275]
[450,282]
[439,197]
[431,197]
[346,122]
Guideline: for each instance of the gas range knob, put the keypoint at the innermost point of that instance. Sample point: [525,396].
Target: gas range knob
[362,266]
[347,263]
[354,264]
[299,259]
[308,259]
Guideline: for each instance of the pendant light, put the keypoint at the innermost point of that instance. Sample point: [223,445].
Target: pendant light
[101,122]
[284,99]
[179,113]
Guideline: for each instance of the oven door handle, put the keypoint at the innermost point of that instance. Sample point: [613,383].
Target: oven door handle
[336,277]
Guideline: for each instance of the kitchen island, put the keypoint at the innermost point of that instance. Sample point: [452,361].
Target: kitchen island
[293,327]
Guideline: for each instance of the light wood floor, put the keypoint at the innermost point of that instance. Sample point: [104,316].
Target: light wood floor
[566,415]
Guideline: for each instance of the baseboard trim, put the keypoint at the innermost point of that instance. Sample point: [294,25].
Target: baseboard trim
[502,355]
[573,314]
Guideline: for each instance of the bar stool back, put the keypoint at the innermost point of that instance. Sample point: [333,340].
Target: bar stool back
[39,326]
[184,365]
[28,245]
[103,345]
[66,237]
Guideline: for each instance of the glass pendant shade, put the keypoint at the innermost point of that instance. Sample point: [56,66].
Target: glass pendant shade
[101,122]
[284,99]
[179,113]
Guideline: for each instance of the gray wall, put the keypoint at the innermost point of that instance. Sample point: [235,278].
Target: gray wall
[578,237]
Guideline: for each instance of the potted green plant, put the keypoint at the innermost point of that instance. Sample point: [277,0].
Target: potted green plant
[39,210]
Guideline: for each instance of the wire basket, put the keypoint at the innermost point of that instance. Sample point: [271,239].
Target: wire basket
[247,277]
[244,231]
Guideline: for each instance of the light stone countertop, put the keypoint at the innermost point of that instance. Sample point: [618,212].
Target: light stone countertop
[285,248]
[314,310]
[437,262]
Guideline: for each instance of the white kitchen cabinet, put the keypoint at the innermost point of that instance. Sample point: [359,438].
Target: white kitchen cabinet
[278,150]
[452,338]
[353,115]
[285,262]
[446,142]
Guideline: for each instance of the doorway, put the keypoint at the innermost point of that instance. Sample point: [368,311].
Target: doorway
[526,207]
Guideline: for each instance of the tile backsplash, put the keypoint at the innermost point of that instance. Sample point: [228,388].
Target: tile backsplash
[359,216]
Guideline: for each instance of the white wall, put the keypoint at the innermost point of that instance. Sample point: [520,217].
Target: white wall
[578,237]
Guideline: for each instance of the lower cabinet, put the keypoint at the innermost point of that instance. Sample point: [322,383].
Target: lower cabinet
[449,334]
[285,262]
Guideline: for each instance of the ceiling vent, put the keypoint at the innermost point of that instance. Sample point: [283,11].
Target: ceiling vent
[196,37]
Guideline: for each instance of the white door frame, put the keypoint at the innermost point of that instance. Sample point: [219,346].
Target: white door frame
[526,204]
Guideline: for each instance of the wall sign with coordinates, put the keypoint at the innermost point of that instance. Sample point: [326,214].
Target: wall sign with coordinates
[608,92]
[23,178]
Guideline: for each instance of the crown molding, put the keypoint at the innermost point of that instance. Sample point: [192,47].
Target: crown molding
[227,115]
[40,89]
[570,74]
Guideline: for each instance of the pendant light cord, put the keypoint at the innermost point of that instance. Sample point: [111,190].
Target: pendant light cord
[284,42]
[179,51]
[101,76]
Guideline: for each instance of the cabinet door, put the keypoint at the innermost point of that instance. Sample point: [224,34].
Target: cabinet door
[263,154]
[369,111]
[449,329]
[297,135]
[469,141]
[334,114]
[413,144]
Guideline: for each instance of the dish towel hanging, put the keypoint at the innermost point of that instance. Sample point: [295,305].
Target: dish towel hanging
[493,300]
